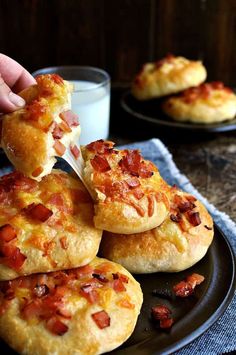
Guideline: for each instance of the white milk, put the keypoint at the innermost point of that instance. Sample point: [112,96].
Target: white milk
[92,104]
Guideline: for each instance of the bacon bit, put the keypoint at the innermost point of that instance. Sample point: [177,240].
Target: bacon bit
[102,319]
[75,151]
[59,147]
[100,277]
[7,233]
[185,288]
[57,132]
[56,78]
[191,198]
[133,182]
[64,243]
[55,326]
[167,59]
[38,212]
[217,85]
[37,171]
[70,118]
[84,271]
[121,277]
[203,91]
[185,206]
[150,205]
[100,164]
[194,218]
[100,146]
[40,290]
[195,279]
[138,194]
[166,323]
[209,228]
[161,312]
[176,217]
[132,164]
[9,295]
[126,304]
[118,286]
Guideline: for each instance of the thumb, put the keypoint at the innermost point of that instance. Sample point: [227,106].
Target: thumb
[8,100]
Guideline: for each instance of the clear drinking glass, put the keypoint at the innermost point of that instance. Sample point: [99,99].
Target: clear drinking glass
[90,98]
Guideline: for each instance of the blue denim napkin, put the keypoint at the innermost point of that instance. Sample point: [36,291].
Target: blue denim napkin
[221,337]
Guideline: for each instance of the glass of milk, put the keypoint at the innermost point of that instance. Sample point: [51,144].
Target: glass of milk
[90,98]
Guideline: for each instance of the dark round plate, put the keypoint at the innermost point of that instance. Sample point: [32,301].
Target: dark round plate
[193,315]
[150,111]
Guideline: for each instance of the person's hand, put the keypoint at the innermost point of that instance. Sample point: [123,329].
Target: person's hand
[13,79]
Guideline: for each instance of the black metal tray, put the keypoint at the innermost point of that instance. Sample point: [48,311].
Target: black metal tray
[150,111]
[193,315]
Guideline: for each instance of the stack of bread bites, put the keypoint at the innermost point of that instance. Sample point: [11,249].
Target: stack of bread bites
[195,100]
[56,295]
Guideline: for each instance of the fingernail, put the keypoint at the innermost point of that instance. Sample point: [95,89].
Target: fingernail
[16,100]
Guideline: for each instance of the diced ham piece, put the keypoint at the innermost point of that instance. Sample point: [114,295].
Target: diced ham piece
[59,147]
[12,257]
[102,319]
[57,132]
[70,118]
[37,171]
[38,212]
[75,151]
[88,292]
[7,233]
[56,326]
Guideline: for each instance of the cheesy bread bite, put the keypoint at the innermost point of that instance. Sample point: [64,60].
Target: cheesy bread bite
[129,193]
[32,136]
[177,244]
[167,76]
[207,103]
[85,311]
[46,225]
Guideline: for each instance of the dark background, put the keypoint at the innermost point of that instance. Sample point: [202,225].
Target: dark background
[120,35]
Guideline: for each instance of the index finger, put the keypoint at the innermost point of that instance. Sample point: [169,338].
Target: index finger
[14,75]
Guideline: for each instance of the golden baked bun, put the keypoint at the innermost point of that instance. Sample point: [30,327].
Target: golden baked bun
[46,225]
[167,76]
[32,136]
[178,243]
[129,193]
[207,103]
[85,311]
